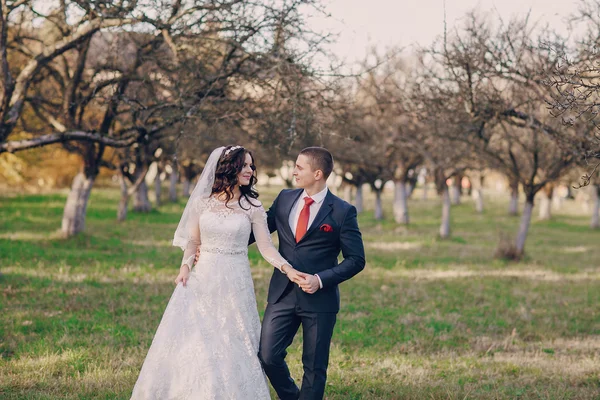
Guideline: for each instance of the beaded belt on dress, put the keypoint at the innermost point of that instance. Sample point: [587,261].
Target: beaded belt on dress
[221,250]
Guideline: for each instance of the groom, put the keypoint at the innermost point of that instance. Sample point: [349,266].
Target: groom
[313,227]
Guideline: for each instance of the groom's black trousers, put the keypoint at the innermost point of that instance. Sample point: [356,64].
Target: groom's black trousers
[280,324]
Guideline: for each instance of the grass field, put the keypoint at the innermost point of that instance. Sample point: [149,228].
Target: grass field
[426,319]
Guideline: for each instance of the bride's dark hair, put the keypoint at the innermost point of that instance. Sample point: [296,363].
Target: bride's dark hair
[226,176]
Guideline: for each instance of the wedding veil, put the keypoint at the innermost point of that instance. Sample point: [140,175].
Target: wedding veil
[202,190]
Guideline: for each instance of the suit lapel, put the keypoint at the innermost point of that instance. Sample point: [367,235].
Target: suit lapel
[287,207]
[324,211]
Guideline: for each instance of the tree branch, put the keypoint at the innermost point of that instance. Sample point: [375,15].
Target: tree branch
[25,144]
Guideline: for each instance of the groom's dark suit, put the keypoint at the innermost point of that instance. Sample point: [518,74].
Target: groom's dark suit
[334,229]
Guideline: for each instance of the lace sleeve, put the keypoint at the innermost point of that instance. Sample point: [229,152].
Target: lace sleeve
[193,242]
[260,228]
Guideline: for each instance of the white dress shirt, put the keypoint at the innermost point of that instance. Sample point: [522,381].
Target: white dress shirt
[314,209]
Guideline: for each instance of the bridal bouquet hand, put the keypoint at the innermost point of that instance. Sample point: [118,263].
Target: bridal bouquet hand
[184,274]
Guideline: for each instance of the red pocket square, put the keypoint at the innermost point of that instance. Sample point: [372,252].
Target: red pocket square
[326,228]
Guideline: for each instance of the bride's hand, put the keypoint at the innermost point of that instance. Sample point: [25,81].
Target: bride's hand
[184,274]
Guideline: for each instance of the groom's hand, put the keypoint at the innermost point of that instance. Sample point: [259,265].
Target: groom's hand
[310,284]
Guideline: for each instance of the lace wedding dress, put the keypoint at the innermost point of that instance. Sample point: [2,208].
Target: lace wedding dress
[206,345]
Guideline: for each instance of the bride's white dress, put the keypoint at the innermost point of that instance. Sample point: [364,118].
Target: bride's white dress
[206,345]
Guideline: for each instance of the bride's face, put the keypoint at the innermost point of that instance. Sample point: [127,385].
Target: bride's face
[246,174]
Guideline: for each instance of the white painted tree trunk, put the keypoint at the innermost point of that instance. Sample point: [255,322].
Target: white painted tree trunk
[348,193]
[141,202]
[73,221]
[378,206]
[424,198]
[595,200]
[455,191]
[524,227]
[359,199]
[400,203]
[557,201]
[410,188]
[478,197]
[157,188]
[476,186]
[513,206]
[186,187]
[446,204]
[124,202]
[173,186]
[545,207]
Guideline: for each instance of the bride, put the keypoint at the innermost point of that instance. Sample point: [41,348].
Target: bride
[206,345]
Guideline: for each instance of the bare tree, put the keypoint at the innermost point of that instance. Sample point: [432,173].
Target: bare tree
[386,90]
[362,145]
[477,177]
[193,60]
[446,159]
[375,132]
[495,78]
[576,90]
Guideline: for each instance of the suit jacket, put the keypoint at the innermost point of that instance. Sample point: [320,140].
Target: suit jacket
[318,250]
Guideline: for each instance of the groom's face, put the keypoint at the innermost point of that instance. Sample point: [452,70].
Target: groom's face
[304,175]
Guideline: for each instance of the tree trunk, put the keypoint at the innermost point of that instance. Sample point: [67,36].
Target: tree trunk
[358,200]
[378,205]
[348,193]
[410,187]
[422,180]
[477,191]
[595,198]
[157,187]
[513,206]
[557,201]
[455,190]
[400,202]
[446,204]
[186,187]
[546,203]
[478,196]
[124,202]
[569,193]
[173,185]
[189,173]
[524,227]
[73,221]
[141,201]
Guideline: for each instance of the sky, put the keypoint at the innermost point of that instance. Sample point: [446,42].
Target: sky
[389,23]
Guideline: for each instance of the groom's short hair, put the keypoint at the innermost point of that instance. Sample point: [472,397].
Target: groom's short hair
[319,158]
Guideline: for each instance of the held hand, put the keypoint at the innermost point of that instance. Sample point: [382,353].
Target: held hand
[293,275]
[310,284]
[184,274]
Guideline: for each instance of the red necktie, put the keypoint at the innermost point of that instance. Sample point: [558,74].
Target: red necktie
[302,226]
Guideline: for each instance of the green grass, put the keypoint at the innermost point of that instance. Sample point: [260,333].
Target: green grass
[427,319]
